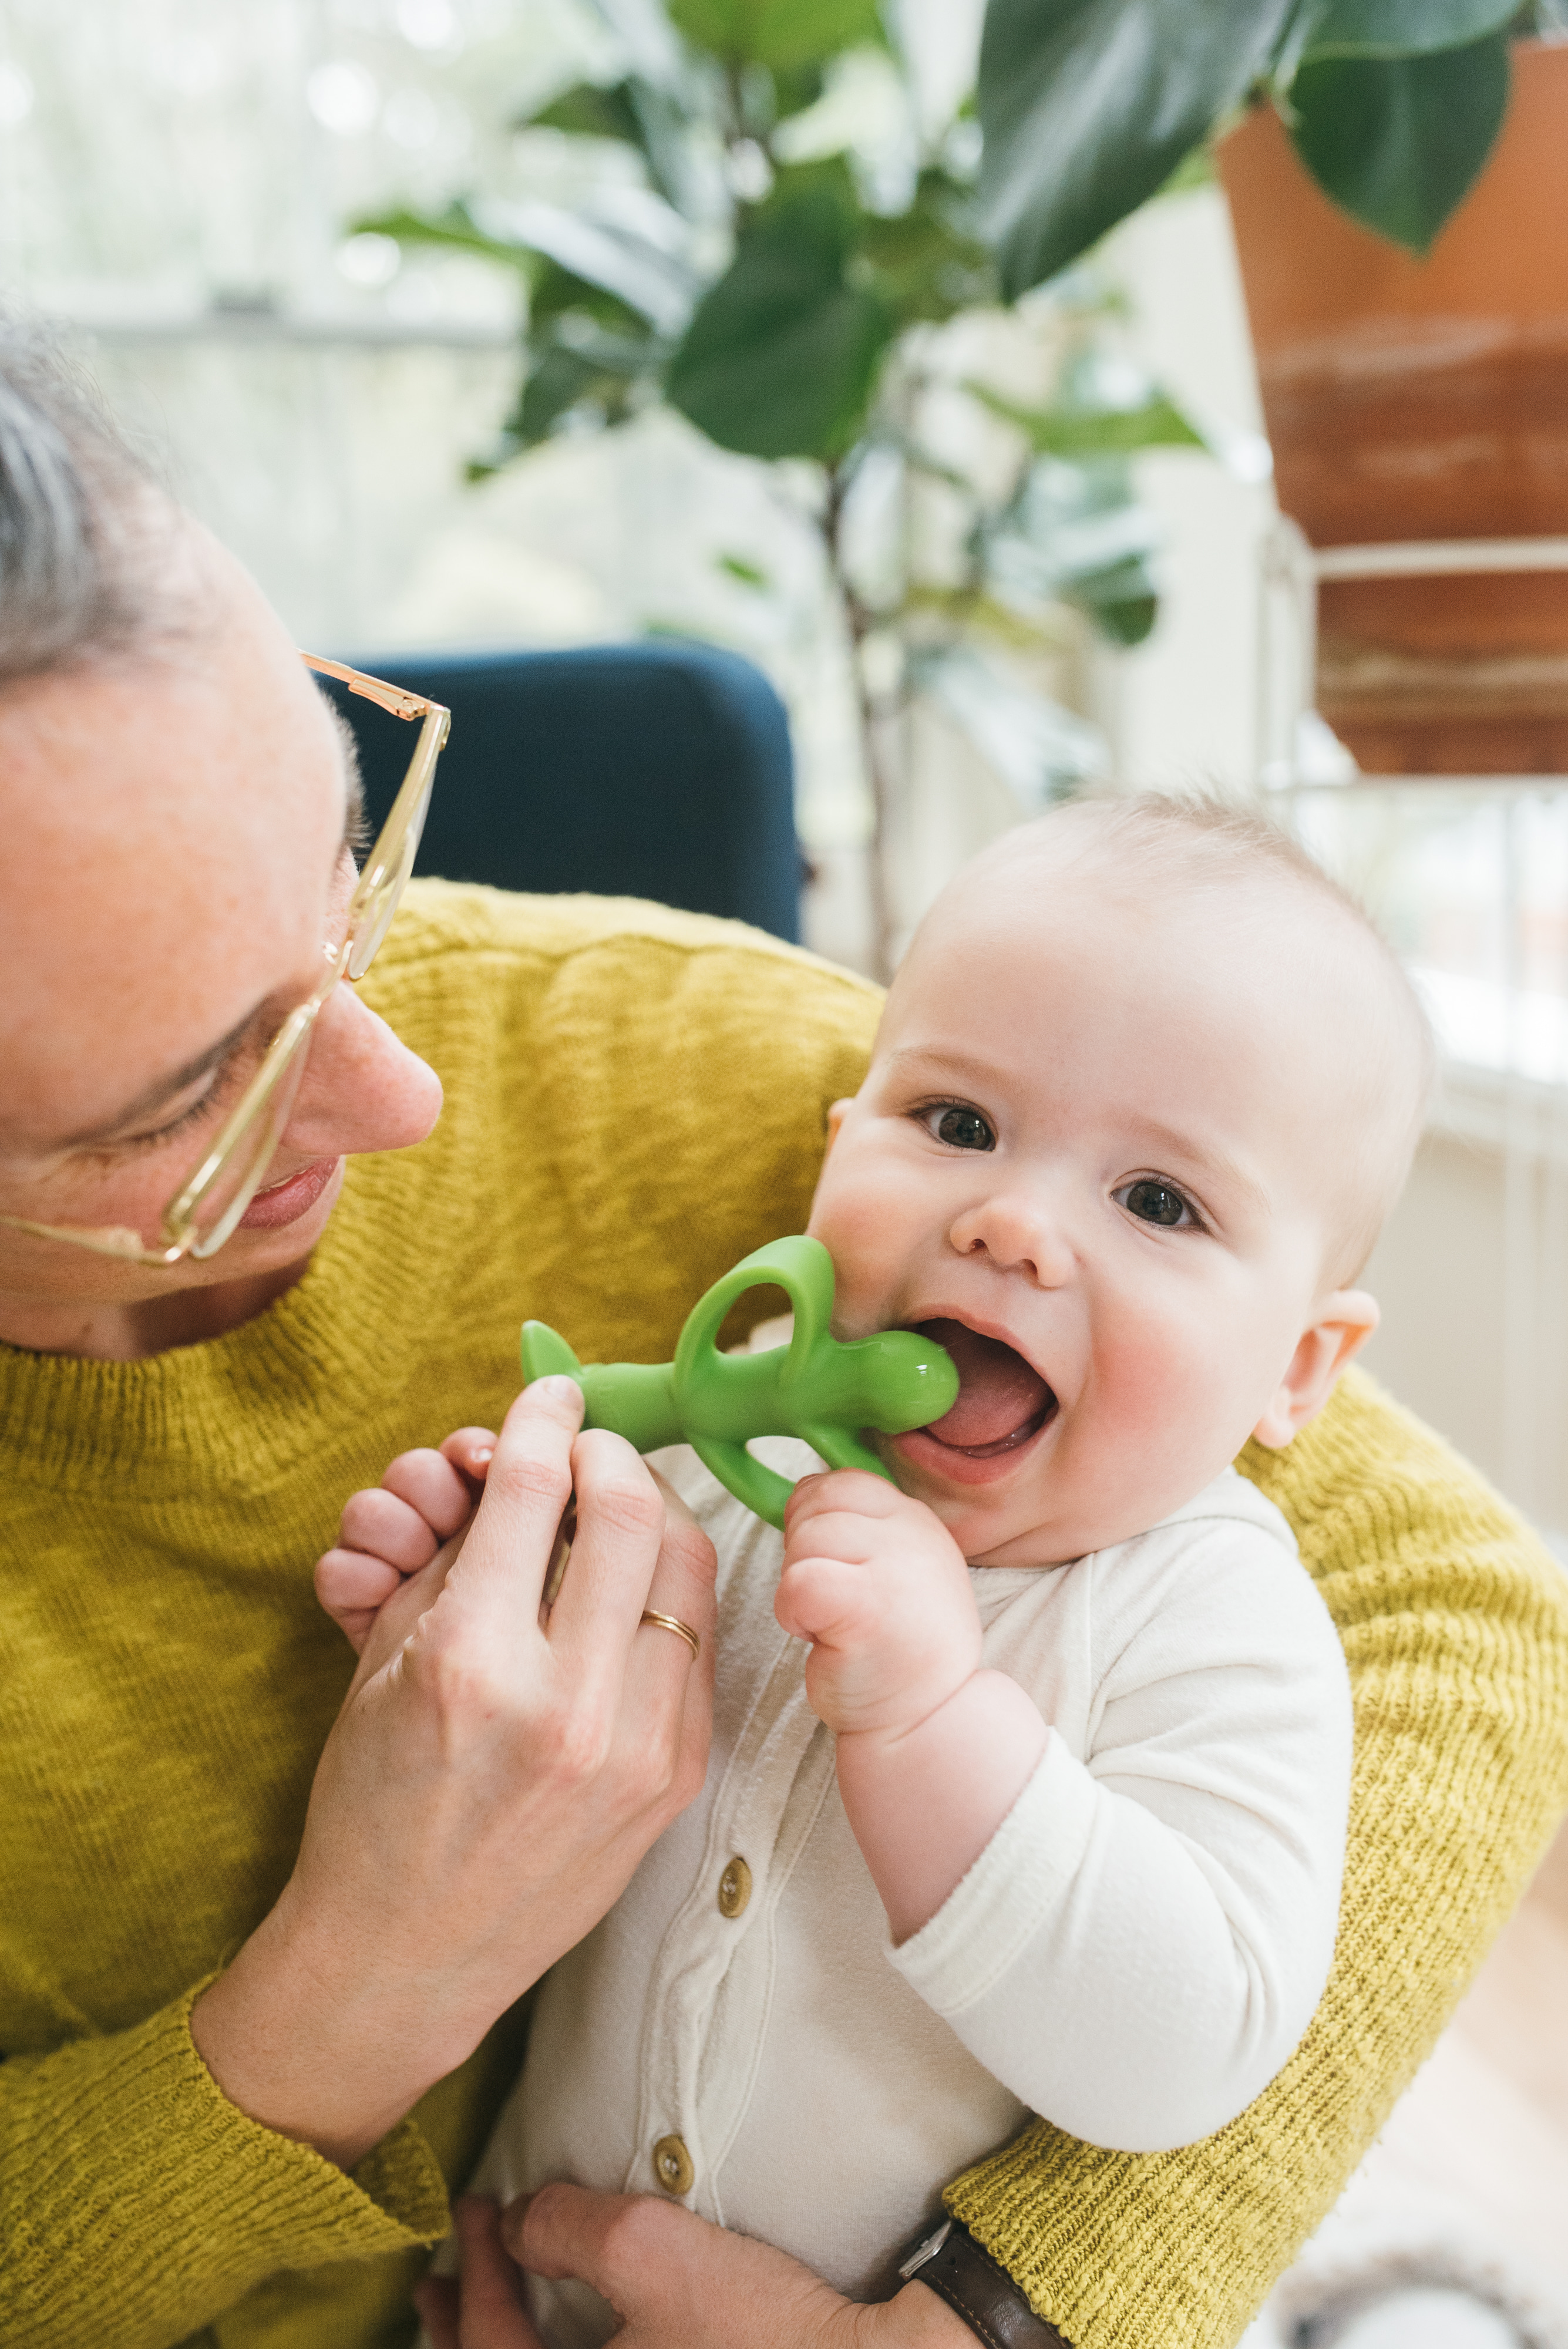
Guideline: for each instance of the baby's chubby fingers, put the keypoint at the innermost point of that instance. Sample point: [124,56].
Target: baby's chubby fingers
[470,1450]
[827,1600]
[437,1485]
[353,1588]
[847,1493]
[390,1528]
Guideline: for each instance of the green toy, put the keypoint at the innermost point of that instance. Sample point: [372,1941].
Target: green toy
[816,1388]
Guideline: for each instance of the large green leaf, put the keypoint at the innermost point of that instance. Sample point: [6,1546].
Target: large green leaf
[591,111]
[1088,105]
[1398,144]
[634,111]
[1074,533]
[562,379]
[782,352]
[1392,29]
[1066,431]
[454,227]
[1122,603]
[778,33]
[928,264]
[553,290]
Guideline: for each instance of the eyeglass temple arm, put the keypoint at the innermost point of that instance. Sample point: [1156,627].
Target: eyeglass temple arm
[389,697]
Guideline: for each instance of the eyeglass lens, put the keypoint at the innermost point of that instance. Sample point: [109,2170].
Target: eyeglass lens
[221,1206]
[375,917]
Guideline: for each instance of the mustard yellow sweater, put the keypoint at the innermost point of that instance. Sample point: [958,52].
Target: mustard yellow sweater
[634,1099]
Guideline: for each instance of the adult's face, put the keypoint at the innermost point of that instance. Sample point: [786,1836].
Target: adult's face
[175,860]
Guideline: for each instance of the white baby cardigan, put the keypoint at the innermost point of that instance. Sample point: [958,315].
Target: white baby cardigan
[1134,1955]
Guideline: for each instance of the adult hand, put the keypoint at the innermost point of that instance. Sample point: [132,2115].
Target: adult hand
[486,1792]
[677,2282]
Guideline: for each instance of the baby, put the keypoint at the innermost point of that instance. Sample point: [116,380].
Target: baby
[1029,1771]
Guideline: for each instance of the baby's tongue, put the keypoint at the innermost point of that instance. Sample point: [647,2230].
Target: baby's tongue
[998,1393]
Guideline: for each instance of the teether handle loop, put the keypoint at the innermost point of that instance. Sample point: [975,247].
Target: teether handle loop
[759,1487]
[708,1391]
[840,1449]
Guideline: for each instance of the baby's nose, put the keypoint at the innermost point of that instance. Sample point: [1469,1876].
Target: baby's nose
[1018,1234]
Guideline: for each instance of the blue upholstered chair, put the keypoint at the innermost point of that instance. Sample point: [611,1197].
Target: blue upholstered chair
[659,770]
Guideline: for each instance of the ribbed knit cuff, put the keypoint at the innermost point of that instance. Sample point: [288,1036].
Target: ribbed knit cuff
[140,2202]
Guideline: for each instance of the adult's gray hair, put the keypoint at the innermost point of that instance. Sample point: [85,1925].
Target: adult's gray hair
[75,513]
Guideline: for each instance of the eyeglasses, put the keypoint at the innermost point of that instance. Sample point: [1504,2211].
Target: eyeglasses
[205,1211]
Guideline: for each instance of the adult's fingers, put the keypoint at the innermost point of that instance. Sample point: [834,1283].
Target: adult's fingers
[436,2299]
[678,2282]
[602,2239]
[620,1524]
[668,1687]
[397,1618]
[486,2311]
[526,1489]
[684,1571]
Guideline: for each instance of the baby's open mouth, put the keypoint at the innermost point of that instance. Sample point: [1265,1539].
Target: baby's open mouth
[1003,1399]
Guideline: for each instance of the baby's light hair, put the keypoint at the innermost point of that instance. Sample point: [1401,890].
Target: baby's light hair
[1198,842]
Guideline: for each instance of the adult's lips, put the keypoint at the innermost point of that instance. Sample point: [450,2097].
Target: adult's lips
[1003,1399]
[283,1203]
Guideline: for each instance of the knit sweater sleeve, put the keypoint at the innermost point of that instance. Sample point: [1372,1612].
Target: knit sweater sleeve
[1455,1627]
[136,2202]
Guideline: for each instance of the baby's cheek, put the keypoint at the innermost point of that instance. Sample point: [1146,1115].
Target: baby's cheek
[873,1223]
[1171,1397]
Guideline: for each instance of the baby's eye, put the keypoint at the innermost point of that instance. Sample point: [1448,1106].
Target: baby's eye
[959,1127]
[1154,1201]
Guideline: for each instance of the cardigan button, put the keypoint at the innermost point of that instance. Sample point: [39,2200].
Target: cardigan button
[734,1888]
[672,2165]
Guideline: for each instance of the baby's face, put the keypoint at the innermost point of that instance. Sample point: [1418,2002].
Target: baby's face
[1102,1134]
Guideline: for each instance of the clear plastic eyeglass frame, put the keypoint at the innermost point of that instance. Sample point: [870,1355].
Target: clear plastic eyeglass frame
[205,1210]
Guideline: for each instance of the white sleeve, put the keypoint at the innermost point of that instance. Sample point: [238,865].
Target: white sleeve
[1143,1941]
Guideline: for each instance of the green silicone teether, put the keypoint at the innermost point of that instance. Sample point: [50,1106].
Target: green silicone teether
[815,1388]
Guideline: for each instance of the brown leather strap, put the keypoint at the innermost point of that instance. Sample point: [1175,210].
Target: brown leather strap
[960,2271]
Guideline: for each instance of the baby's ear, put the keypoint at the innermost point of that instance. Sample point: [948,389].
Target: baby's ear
[1344,1322]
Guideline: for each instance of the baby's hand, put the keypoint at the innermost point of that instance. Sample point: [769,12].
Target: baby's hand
[880,1588]
[393,1530]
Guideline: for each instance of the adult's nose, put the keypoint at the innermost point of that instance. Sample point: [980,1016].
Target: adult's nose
[1017,1231]
[362,1088]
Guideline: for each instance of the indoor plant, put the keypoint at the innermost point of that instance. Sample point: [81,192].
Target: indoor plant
[1410,333]
[785,289]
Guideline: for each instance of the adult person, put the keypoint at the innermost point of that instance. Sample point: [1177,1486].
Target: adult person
[265,1931]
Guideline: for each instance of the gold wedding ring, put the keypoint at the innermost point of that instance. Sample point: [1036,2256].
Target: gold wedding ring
[673,1623]
[555,1574]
